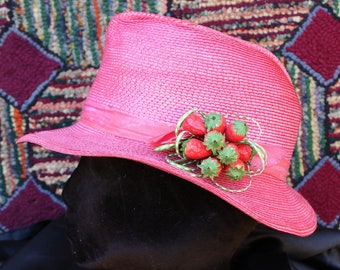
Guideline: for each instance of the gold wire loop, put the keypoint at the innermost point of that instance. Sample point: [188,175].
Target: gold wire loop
[262,155]
[165,147]
[233,190]
[181,166]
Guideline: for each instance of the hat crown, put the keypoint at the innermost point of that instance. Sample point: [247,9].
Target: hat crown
[157,68]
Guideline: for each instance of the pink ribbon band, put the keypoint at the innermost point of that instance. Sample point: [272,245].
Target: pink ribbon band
[156,133]
[123,125]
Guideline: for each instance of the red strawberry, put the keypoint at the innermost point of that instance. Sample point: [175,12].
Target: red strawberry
[194,124]
[214,141]
[215,121]
[229,154]
[236,170]
[210,167]
[236,131]
[245,151]
[195,149]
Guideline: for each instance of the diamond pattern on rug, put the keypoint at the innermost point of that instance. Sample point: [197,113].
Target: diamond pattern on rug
[25,68]
[267,23]
[75,30]
[316,46]
[312,140]
[29,202]
[321,187]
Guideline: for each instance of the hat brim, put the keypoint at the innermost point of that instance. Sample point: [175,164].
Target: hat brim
[269,200]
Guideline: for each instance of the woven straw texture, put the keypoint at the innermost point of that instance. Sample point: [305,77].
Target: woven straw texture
[66,42]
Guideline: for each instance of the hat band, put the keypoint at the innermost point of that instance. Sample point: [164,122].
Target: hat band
[123,125]
[151,132]
[277,164]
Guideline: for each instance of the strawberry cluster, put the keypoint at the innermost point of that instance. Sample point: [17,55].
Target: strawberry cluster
[215,147]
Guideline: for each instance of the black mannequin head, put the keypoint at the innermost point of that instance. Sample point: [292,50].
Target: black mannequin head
[126,215]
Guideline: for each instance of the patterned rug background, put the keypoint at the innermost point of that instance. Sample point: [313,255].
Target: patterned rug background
[50,51]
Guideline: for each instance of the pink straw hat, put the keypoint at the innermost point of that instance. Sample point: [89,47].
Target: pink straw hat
[154,70]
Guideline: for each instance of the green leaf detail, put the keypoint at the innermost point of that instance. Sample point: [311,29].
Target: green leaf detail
[240,127]
[227,155]
[209,168]
[235,174]
[212,120]
[214,141]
